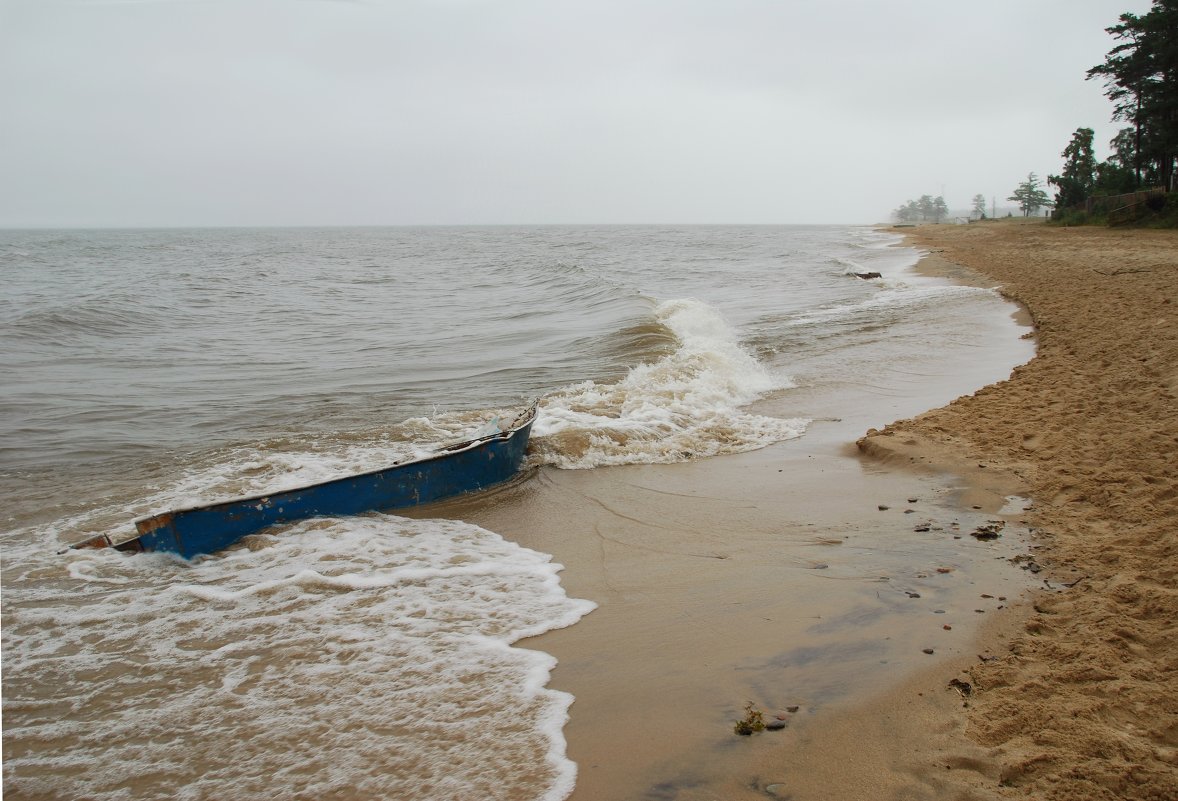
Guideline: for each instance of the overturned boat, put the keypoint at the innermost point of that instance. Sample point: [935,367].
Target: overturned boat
[454,469]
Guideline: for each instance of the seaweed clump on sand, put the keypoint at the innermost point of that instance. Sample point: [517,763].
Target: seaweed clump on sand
[753,720]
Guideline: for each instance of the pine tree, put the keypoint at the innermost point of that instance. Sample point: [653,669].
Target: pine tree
[1030,197]
[1079,171]
[1141,78]
[940,209]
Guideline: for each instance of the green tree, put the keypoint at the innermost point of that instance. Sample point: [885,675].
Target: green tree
[907,212]
[979,206]
[925,204]
[1116,175]
[927,208]
[1079,171]
[940,209]
[1141,78]
[1029,196]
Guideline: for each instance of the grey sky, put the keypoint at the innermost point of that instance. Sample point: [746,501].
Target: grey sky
[329,112]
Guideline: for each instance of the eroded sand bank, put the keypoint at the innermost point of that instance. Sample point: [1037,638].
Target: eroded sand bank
[1083,703]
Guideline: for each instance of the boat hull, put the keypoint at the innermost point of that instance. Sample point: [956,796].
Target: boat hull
[456,470]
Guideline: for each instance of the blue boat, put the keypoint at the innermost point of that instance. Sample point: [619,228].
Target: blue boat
[455,469]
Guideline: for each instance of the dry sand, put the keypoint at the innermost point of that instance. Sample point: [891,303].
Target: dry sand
[1083,703]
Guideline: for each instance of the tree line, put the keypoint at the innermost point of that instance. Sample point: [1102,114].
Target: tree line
[927,208]
[935,209]
[1140,74]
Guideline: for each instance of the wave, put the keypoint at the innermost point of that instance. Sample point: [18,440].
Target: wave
[894,297]
[402,627]
[684,405]
[91,317]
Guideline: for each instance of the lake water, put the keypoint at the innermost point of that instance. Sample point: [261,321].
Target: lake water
[368,657]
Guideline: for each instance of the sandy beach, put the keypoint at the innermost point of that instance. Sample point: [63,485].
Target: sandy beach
[974,603]
[793,577]
[1082,702]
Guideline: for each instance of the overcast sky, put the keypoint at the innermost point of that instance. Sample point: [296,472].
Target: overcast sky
[371,112]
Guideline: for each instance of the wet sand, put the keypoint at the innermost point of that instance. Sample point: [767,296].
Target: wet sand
[775,578]
[766,578]
[1083,703]
[772,577]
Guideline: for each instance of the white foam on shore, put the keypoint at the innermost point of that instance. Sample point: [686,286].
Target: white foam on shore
[683,406]
[366,656]
[894,296]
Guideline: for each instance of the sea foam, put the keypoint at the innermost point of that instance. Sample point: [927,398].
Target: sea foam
[364,656]
[682,406]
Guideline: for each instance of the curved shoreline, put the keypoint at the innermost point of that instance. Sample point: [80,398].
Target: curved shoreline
[797,577]
[1084,702]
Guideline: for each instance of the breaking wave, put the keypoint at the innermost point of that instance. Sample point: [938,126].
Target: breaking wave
[684,405]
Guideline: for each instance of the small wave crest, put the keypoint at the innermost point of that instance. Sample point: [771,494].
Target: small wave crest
[847,266]
[895,297]
[684,405]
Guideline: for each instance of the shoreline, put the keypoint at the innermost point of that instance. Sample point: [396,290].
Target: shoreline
[714,578]
[704,604]
[798,577]
[1083,702]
